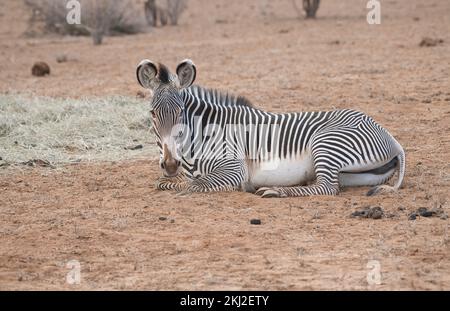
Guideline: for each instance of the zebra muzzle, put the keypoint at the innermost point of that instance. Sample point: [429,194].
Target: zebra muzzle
[169,164]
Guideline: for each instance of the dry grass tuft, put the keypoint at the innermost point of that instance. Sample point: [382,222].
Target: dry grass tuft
[67,130]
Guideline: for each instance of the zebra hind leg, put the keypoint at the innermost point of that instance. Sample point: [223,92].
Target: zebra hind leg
[326,184]
[300,191]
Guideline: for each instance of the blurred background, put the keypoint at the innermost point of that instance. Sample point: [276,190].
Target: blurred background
[244,46]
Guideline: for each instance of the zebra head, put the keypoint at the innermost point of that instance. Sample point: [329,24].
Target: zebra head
[166,108]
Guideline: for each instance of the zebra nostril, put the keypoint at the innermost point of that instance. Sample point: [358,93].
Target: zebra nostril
[163,165]
[177,163]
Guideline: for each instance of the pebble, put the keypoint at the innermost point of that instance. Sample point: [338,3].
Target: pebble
[255,221]
[374,212]
[40,69]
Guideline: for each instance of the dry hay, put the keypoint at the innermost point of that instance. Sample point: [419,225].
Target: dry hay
[58,131]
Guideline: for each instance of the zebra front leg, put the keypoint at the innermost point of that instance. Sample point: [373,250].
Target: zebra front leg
[201,186]
[326,168]
[221,179]
[178,183]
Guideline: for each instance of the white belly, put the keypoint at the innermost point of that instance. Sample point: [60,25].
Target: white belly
[288,172]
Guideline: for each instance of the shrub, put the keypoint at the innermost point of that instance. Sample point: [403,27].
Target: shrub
[168,10]
[309,6]
[98,17]
[174,10]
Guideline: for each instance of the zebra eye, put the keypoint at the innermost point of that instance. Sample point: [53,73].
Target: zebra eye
[153,113]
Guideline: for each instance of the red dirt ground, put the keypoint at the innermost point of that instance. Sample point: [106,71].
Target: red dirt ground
[107,215]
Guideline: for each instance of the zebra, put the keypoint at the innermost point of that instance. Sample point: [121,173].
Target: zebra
[276,155]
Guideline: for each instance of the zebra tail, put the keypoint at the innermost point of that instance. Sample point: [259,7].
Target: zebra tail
[401,166]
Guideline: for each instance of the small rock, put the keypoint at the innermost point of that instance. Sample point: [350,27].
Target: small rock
[38,162]
[61,58]
[162,218]
[40,69]
[255,221]
[374,212]
[140,94]
[134,147]
[424,212]
[430,42]
[1,158]
[172,221]
[221,21]
[413,216]
[439,212]
[362,213]
[421,210]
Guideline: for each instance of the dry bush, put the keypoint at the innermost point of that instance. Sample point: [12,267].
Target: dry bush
[154,13]
[98,17]
[174,10]
[168,10]
[309,6]
[52,14]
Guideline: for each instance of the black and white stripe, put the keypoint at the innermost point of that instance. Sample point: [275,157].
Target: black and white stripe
[225,143]
[341,142]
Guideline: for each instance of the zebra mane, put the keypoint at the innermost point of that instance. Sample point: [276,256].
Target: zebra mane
[219,98]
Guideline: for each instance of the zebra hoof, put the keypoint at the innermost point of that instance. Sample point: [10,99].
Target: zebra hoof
[379,190]
[269,193]
[261,190]
[159,185]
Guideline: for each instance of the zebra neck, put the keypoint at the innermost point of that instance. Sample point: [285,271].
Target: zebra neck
[196,95]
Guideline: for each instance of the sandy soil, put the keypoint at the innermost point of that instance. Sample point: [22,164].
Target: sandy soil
[108,216]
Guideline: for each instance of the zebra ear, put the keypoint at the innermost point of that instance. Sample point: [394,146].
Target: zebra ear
[146,73]
[186,73]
